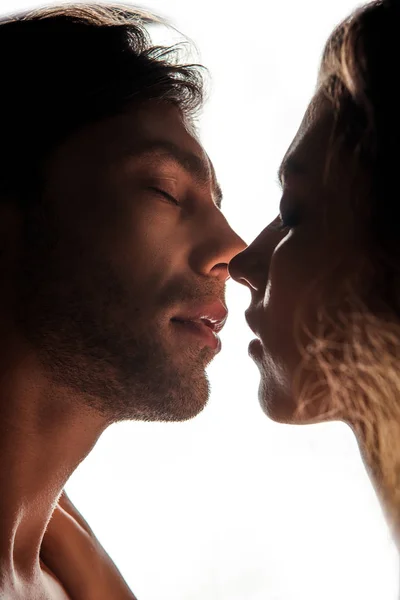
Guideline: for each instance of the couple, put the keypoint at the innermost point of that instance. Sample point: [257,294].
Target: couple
[115,253]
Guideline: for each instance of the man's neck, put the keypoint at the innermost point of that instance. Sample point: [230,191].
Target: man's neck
[44,436]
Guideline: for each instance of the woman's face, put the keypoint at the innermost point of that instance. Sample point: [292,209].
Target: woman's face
[293,263]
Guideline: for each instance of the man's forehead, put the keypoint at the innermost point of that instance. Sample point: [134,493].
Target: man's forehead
[189,157]
[149,132]
[157,122]
[165,130]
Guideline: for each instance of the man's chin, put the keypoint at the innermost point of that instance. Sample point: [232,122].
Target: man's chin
[167,394]
[131,378]
[186,400]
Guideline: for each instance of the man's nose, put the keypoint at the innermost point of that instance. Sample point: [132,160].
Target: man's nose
[220,244]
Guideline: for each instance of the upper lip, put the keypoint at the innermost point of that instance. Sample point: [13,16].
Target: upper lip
[252,320]
[212,314]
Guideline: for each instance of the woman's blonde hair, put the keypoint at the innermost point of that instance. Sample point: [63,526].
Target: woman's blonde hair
[354,348]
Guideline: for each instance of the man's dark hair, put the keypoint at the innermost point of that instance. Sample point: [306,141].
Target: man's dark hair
[67,66]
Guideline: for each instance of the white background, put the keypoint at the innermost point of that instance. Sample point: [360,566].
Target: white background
[230,506]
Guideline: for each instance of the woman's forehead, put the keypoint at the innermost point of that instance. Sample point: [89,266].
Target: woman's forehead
[309,148]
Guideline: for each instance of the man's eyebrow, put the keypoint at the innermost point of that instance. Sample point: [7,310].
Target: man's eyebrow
[198,168]
[290,166]
[217,194]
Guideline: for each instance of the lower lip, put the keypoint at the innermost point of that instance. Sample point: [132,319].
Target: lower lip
[255,347]
[201,332]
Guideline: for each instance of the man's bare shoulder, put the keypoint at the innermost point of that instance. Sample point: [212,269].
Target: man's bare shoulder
[46,588]
[54,589]
[72,554]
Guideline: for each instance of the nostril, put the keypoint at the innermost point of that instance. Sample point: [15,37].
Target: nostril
[234,267]
[248,282]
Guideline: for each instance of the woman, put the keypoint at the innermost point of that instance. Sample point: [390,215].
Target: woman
[325,274]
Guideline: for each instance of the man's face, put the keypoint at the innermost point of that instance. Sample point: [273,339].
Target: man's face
[300,263]
[123,268]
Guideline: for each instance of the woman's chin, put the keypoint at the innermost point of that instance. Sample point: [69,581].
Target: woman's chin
[281,407]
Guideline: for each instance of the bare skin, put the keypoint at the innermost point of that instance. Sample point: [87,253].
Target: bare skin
[315,231]
[312,231]
[76,558]
[136,241]
[36,460]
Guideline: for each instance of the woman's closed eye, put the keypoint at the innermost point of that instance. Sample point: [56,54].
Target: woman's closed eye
[285,221]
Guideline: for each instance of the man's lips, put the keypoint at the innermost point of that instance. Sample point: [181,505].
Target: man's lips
[203,321]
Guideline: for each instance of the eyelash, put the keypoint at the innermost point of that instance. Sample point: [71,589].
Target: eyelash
[166,195]
[288,223]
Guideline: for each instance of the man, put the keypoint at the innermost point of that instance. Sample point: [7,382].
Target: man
[113,262]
